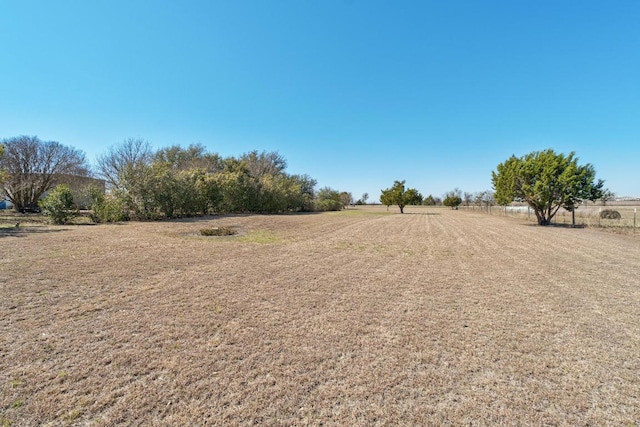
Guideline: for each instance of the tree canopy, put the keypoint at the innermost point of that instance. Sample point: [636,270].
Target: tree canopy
[178,182]
[31,167]
[546,181]
[398,195]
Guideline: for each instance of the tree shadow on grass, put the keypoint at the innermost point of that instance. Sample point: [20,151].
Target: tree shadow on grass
[535,224]
[421,213]
[23,232]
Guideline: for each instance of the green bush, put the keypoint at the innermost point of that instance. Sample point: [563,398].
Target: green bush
[58,205]
[107,208]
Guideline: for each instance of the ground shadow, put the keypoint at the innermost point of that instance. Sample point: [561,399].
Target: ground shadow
[534,224]
[22,232]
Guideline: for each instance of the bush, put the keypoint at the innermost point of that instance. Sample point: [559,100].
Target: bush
[106,208]
[610,214]
[58,205]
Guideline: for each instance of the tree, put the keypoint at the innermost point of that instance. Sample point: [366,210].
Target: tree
[58,204]
[122,163]
[328,199]
[32,166]
[429,201]
[452,199]
[346,198]
[364,198]
[398,195]
[264,163]
[546,181]
[606,196]
[413,197]
[192,157]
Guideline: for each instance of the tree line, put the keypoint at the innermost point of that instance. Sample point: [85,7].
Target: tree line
[545,180]
[147,184]
[401,196]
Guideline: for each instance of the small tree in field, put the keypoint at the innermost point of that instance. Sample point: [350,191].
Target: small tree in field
[452,201]
[398,195]
[546,181]
[58,205]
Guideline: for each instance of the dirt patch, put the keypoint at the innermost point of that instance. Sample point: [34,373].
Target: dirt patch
[416,319]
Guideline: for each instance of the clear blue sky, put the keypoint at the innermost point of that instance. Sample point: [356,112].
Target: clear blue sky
[354,93]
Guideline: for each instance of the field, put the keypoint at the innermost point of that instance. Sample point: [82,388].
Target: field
[361,317]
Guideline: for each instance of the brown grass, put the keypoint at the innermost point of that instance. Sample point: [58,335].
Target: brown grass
[434,317]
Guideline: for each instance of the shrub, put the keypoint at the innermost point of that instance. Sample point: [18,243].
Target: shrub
[58,205]
[106,208]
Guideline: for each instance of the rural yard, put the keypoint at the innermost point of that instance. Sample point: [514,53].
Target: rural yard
[362,317]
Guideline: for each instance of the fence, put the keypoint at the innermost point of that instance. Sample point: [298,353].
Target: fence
[585,216]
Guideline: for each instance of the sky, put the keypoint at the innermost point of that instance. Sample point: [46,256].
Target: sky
[354,93]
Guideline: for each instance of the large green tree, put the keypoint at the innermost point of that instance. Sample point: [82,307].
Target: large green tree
[546,181]
[401,196]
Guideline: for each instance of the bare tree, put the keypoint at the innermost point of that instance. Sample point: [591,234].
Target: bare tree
[607,196]
[121,161]
[467,198]
[32,167]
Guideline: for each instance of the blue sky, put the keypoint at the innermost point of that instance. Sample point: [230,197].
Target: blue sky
[354,93]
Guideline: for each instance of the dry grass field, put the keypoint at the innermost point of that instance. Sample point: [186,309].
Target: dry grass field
[585,216]
[435,317]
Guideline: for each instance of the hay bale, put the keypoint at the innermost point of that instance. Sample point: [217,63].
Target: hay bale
[610,214]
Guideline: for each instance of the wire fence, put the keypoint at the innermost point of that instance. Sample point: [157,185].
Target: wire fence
[622,216]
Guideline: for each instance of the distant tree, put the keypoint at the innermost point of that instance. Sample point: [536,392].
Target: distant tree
[264,163]
[413,197]
[122,163]
[483,198]
[364,198]
[305,197]
[346,199]
[58,204]
[195,156]
[452,199]
[607,196]
[328,199]
[31,167]
[546,181]
[467,198]
[429,201]
[398,195]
